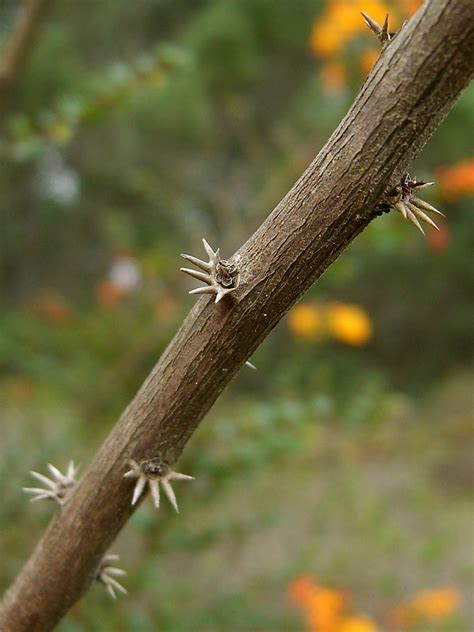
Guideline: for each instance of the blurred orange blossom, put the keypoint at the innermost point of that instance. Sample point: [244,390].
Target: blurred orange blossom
[325,609]
[349,324]
[431,605]
[52,308]
[457,181]
[340,23]
[344,322]
[357,624]
[305,321]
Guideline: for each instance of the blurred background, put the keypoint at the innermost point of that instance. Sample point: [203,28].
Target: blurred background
[333,485]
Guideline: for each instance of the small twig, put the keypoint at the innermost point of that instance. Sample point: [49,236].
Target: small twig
[19,44]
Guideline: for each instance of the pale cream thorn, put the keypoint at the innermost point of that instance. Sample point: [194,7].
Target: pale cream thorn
[106,575]
[417,211]
[221,277]
[57,487]
[155,472]
[412,217]
[425,206]
[400,206]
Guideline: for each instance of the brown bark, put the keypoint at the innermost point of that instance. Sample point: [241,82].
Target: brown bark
[18,46]
[414,84]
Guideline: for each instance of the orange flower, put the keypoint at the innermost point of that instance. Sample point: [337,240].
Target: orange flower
[410,7]
[339,23]
[324,610]
[324,40]
[438,240]
[305,321]
[52,308]
[349,324]
[108,294]
[323,607]
[436,604]
[433,605]
[333,77]
[357,624]
[301,590]
[457,181]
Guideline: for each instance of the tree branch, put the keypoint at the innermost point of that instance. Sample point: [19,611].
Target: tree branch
[18,46]
[416,81]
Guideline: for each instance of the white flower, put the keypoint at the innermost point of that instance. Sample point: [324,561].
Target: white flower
[106,573]
[221,276]
[155,472]
[57,487]
[125,274]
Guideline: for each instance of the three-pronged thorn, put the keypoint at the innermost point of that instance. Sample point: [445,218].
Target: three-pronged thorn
[221,276]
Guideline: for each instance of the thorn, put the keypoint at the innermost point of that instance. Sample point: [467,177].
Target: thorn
[372,24]
[384,31]
[414,220]
[400,206]
[155,472]
[222,276]
[200,276]
[106,573]
[426,207]
[414,209]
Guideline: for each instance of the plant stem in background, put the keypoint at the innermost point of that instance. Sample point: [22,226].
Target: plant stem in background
[19,44]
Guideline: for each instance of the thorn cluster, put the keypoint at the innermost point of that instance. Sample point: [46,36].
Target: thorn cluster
[106,574]
[403,199]
[155,472]
[221,276]
[56,488]
[381,32]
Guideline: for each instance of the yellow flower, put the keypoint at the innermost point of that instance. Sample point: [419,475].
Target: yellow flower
[324,609]
[432,605]
[357,624]
[325,40]
[349,324]
[340,22]
[436,604]
[305,321]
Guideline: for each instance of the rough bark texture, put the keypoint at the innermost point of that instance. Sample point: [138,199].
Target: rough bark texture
[414,84]
[18,46]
